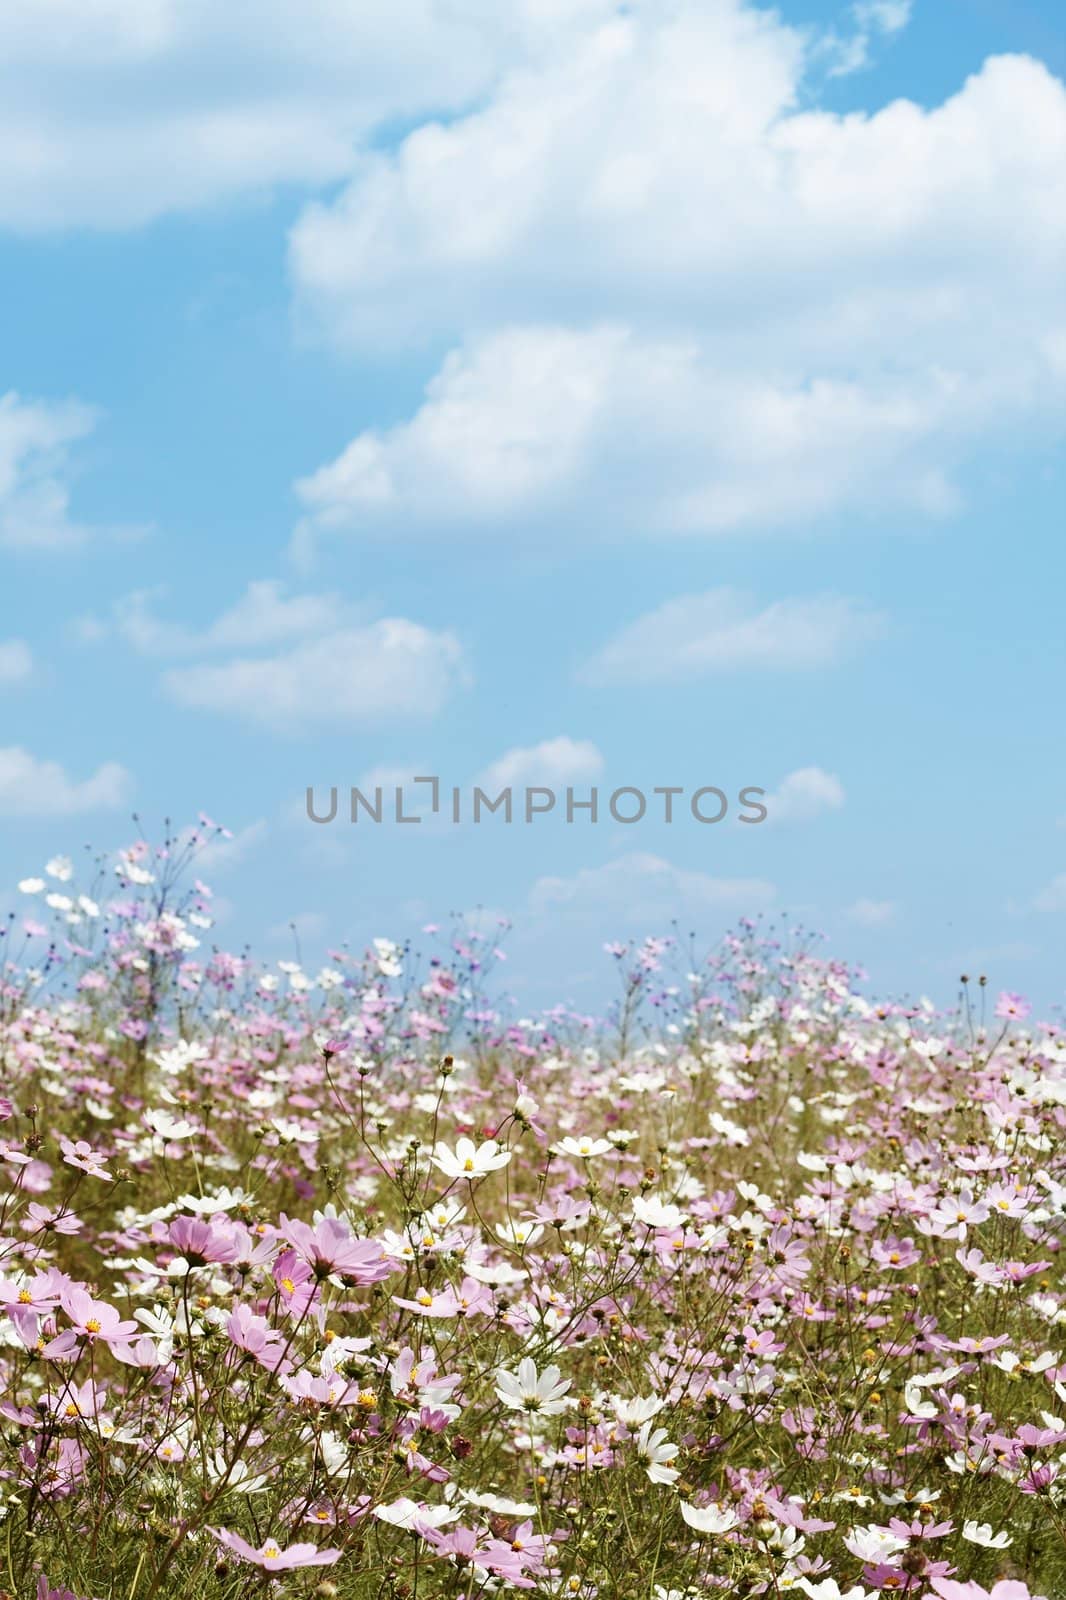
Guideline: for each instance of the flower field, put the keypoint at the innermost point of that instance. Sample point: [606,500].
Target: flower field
[344,1281]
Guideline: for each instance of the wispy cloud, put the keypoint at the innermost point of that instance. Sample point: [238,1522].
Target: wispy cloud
[646,890]
[352,676]
[724,630]
[36,440]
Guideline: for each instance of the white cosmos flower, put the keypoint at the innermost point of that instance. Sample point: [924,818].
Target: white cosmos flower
[469,1160]
[873,1544]
[654,1450]
[641,1408]
[709,1519]
[445,1214]
[389,964]
[207,1205]
[60,867]
[520,1233]
[584,1147]
[498,1503]
[31,885]
[981,1533]
[656,1213]
[916,1406]
[167,1127]
[176,1057]
[528,1390]
[404,1513]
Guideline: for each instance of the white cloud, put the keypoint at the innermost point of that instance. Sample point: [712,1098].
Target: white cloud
[16,661]
[871,18]
[886,16]
[804,794]
[553,427]
[677,302]
[552,762]
[113,112]
[661,168]
[263,615]
[871,913]
[390,668]
[642,889]
[35,441]
[1052,897]
[724,630]
[30,787]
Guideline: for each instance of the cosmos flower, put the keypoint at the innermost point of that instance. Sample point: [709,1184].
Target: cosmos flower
[654,1452]
[527,1390]
[330,1247]
[709,1519]
[272,1557]
[584,1148]
[469,1160]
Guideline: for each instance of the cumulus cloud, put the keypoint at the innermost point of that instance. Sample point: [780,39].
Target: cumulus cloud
[391,668]
[30,787]
[678,302]
[553,427]
[35,445]
[552,762]
[644,890]
[119,111]
[804,794]
[724,630]
[662,167]
[16,661]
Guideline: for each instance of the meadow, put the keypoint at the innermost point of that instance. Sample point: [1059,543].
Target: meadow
[343,1280]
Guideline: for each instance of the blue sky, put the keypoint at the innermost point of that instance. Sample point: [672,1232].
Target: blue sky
[684,381]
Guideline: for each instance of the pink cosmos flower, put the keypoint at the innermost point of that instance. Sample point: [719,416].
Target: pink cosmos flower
[38,1294]
[271,1557]
[1013,1007]
[896,1254]
[331,1247]
[254,1334]
[470,1298]
[84,1157]
[200,1242]
[92,1320]
[40,1218]
[468,1548]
